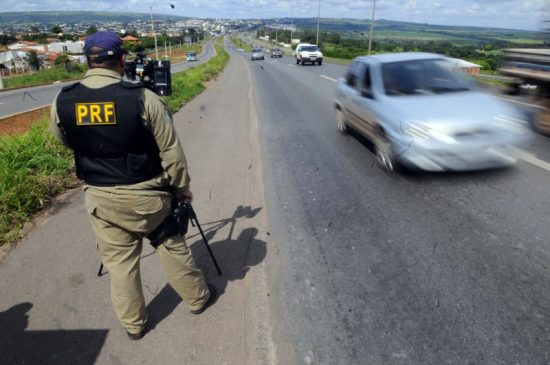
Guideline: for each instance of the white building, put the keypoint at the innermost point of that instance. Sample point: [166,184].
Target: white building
[25,44]
[67,47]
[465,66]
[12,55]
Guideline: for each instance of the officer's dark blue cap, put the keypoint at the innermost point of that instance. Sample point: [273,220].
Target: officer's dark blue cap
[109,42]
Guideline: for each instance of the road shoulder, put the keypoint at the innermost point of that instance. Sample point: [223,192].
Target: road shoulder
[52,279]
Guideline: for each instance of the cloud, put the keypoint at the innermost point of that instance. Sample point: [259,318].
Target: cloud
[524,14]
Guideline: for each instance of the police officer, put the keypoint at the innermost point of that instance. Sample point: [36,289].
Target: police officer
[131,161]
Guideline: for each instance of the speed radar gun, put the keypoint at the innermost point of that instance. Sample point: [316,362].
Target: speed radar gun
[177,223]
[152,74]
[184,213]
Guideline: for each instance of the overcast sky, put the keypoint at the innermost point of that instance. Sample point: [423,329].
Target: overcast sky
[515,14]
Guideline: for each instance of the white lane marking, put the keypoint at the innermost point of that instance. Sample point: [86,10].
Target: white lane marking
[291,65]
[522,103]
[532,159]
[328,78]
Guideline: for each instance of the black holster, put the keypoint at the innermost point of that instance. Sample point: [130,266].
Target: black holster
[174,224]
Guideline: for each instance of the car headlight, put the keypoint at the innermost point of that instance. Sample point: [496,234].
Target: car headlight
[420,131]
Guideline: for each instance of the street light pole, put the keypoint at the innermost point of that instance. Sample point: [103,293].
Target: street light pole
[153,30]
[371,25]
[318,19]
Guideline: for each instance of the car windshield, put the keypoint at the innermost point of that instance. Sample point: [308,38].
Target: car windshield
[257,50]
[310,48]
[191,53]
[276,50]
[421,77]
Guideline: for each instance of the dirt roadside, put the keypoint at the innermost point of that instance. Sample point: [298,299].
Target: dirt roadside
[19,123]
[51,275]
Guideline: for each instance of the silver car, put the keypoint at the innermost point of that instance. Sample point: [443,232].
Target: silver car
[421,114]
[257,54]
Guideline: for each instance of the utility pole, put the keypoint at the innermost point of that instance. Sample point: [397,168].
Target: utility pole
[153,30]
[318,20]
[371,25]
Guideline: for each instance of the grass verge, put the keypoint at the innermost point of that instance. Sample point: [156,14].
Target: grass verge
[45,77]
[241,44]
[34,167]
[189,83]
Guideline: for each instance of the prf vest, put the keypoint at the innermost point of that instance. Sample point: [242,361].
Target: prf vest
[104,128]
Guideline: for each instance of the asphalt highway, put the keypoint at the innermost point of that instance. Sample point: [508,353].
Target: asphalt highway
[21,100]
[371,268]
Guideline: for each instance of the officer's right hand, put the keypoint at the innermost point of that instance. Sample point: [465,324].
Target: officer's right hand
[184,195]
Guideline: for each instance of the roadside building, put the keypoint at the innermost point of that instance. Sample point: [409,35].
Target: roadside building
[465,66]
[14,62]
[8,56]
[130,39]
[28,45]
[66,47]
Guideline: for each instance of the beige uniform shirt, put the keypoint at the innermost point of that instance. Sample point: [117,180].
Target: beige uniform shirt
[158,119]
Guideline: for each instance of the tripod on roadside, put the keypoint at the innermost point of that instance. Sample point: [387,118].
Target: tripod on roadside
[183,214]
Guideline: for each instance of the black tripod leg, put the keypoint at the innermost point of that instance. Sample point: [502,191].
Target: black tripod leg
[99,273]
[194,217]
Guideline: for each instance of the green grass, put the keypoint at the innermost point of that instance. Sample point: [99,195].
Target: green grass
[338,61]
[33,168]
[45,76]
[240,44]
[191,82]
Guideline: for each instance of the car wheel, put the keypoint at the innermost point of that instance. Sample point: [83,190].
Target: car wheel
[385,157]
[297,61]
[320,63]
[341,121]
[541,123]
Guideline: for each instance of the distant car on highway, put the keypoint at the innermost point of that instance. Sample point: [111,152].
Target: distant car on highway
[308,53]
[257,54]
[276,52]
[191,56]
[420,114]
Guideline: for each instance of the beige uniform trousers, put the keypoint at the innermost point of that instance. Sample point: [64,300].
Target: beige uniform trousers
[119,221]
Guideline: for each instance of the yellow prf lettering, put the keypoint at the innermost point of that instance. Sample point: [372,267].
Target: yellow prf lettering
[96,114]
[95,111]
[81,112]
[108,112]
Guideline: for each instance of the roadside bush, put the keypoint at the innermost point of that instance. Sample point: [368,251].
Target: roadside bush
[33,168]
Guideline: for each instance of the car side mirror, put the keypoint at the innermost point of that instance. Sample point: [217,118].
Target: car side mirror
[350,79]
